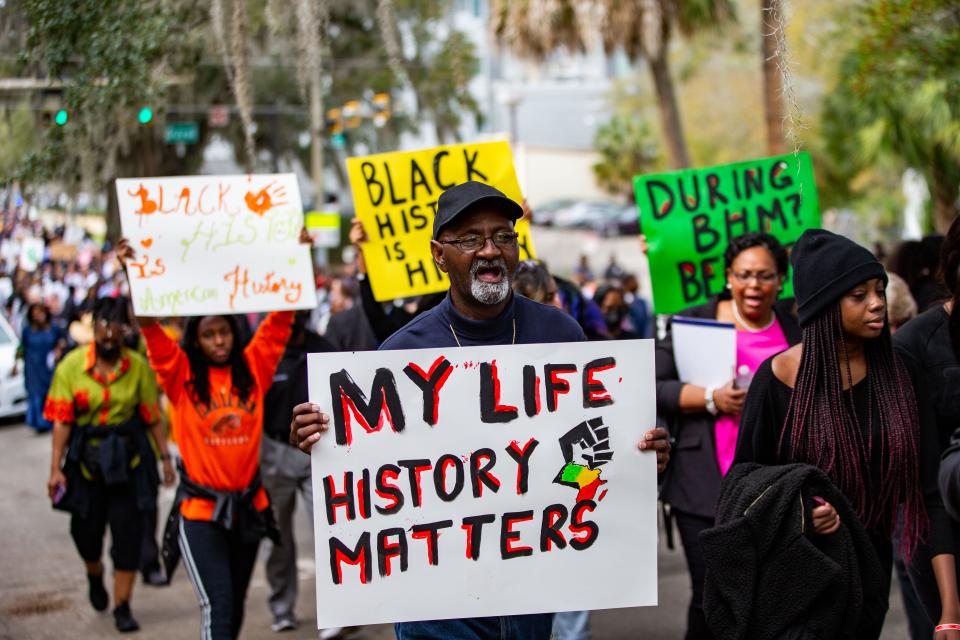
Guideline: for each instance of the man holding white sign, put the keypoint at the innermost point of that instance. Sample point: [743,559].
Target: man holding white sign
[592,426]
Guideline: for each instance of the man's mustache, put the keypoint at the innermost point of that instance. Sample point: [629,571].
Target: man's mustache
[483,263]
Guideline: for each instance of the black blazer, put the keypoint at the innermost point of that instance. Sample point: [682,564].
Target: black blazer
[692,480]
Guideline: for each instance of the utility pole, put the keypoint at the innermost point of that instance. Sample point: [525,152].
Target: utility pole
[317,126]
[275,141]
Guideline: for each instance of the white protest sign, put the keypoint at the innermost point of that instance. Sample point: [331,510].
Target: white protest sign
[705,351]
[31,253]
[216,244]
[484,481]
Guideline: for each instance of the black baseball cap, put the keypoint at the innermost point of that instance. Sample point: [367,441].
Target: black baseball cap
[462,198]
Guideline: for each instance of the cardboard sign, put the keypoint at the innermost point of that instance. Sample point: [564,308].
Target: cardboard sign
[324,228]
[395,196]
[63,252]
[484,481]
[216,244]
[689,217]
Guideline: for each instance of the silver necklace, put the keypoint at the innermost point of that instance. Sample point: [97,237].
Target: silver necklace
[512,342]
[743,323]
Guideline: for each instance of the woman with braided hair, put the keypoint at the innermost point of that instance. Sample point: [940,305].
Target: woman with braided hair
[705,420]
[842,401]
[929,346]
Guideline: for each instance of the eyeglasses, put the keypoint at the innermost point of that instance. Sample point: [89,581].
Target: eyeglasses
[475,241]
[763,277]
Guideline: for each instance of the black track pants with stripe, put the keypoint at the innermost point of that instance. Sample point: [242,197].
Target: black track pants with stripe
[219,564]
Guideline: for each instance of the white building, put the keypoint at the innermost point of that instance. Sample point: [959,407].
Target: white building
[549,111]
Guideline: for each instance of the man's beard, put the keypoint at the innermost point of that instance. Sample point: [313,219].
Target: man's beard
[489,292]
[108,353]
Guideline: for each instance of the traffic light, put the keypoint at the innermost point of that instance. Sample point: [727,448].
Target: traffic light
[381,109]
[352,116]
[145,116]
[334,121]
[61,117]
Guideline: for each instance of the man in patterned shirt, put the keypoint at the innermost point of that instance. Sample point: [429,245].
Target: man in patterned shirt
[102,402]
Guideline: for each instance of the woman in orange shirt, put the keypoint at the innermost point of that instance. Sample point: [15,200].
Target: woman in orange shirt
[216,391]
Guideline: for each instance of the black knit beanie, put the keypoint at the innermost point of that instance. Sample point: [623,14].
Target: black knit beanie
[826,266]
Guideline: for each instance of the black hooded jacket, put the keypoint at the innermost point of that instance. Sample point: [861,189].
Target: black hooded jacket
[770,576]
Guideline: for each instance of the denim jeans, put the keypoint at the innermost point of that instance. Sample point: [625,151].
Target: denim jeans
[571,625]
[529,627]
[35,417]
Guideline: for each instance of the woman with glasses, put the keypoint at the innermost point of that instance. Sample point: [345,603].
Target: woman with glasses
[102,401]
[704,422]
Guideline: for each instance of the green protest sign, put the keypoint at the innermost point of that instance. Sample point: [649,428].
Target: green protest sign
[689,216]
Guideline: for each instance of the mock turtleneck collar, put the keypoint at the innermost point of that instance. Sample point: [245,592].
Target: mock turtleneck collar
[498,330]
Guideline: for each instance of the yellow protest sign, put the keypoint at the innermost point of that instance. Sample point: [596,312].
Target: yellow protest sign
[395,196]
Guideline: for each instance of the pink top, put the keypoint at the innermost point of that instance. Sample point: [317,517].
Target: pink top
[752,350]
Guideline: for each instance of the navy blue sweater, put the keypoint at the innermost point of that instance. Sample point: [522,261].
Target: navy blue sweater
[535,323]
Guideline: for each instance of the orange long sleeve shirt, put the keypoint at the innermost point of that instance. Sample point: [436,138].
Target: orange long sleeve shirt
[220,443]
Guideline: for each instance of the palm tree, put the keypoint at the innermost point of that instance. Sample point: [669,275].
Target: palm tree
[228,19]
[642,28]
[534,29]
[771,34]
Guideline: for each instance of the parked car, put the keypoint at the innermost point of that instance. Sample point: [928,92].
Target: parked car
[628,222]
[594,215]
[13,393]
[544,214]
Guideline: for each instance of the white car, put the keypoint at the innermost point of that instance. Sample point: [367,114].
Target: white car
[13,393]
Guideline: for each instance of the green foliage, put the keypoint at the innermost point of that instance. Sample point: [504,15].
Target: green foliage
[441,68]
[106,49]
[627,148]
[696,15]
[897,98]
[355,65]
[108,55]
[115,56]
[18,135]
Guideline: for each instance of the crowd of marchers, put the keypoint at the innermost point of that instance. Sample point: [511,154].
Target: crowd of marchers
[824,465]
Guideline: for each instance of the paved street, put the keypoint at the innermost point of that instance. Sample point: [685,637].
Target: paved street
[43,590]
